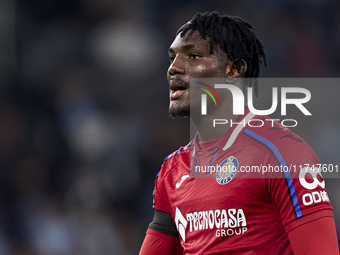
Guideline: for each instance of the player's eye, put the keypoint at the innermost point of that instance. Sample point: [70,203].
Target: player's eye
[194,56]
[172,58]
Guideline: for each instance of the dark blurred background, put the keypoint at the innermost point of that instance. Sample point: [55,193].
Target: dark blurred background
[84,126]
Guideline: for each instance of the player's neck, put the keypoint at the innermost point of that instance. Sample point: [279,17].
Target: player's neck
[205,129]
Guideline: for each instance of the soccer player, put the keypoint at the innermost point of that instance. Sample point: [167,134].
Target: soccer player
[227,213]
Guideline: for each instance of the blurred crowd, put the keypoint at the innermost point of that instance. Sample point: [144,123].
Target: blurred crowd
[84,126]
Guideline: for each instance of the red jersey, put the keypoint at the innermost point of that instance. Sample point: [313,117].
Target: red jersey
[244,191]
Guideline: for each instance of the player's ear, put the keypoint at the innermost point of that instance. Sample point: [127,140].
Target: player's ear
[236,68]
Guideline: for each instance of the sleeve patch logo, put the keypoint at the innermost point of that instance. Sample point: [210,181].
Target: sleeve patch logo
[311,183]
[311,178]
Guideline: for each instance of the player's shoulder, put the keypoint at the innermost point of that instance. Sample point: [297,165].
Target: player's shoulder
[275,136]
[173,159]
[176,155]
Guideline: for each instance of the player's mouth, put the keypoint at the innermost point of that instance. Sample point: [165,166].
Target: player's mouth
[176,93]
[177,88]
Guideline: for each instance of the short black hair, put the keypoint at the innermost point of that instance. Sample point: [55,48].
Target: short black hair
[234,36]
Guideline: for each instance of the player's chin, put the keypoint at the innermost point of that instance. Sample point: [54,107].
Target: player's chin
[176,110]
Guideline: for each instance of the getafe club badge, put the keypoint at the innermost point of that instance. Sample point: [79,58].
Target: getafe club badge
[227,170]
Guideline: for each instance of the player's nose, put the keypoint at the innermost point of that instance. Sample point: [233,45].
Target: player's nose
[176,67]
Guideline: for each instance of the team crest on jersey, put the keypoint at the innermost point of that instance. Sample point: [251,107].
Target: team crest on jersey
[227,170]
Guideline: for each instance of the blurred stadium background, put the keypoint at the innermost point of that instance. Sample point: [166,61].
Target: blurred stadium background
[83,111]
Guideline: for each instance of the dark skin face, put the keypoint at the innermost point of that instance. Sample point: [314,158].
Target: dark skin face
[190,58]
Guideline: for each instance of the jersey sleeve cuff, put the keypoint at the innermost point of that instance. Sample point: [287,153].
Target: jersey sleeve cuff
[308,218]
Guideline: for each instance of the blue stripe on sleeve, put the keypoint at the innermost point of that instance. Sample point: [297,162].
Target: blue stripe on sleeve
[281,160]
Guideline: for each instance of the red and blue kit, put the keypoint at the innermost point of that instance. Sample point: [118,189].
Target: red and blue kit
[241,193]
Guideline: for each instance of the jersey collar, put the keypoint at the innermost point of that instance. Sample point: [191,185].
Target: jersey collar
[228,139]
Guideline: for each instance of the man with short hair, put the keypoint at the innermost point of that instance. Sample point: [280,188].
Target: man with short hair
[233,212]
